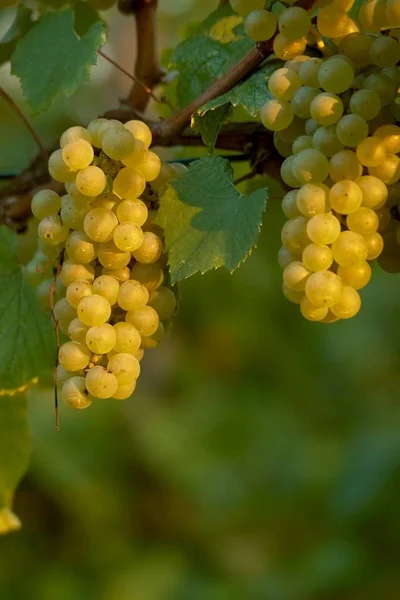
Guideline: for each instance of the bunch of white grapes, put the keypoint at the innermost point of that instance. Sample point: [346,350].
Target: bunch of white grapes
[109,295]
[334,122]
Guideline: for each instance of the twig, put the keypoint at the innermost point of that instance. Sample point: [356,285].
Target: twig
[21,115]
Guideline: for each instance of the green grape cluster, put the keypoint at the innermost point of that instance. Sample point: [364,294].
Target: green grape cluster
[112,298]
[334,122]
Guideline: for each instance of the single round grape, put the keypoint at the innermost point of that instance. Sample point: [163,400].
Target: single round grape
[349,249]
[71,271]
[302,143]
[372,15]
[312,312]
[294,23]
[101,338]
[323,229]
[371,152]
[348,304]
[140,130]
[335,76]
[317,257]
[345,165]
[310,166]
[73,134]
[345,197]
[384,52]
[100,383]
[308,72]
[118,142]
[163,300]
[94,310]
[149,166]
[285,49]
[96,128]
[287,173]
[145,320]
[283,148]
[150,275]
[120,275]
[77,331]
[78,155]
[326,109]
[244,7]
[295,297]
[311,126]
[99,224]
[283,83]
[154,340]
[74,356]
[134,158]
[332,21]
[363,221]
[323,288]
[356,276]
[71,214]
[58,169]
[285,257]
[128,338]
[125,367]
[388,171]
[91,181]
[63,310]
[132,295]
[289,205]
[326,141]
[389,136]
[276,115]
[150,250]
[294,235]
[75,394]
[129,183]
[107,287]
[356,47]
[45,203]
[312,199]
[77,290]
[374,191]
[111,257]
[260,25]
[382,85]
[80,247]
[366,104]
[302,100]
[52,231]
[128,236]
[375,245]
[352,130]
[295,276]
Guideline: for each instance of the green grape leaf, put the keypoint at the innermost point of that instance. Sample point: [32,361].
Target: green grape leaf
[52,60]
[207,222]
[27,346]
[209,124]
[19,27]
[14,454]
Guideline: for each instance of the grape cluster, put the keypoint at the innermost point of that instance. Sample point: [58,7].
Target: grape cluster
[110,297]
[334,122]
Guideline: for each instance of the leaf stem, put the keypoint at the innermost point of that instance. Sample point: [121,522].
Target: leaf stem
[21,115]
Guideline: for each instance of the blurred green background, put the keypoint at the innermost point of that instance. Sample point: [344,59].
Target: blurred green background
[259,458]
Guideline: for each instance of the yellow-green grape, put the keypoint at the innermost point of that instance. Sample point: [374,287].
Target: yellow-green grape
[286,49]
[372,15]
[393,13]
[302,99]
[289,205]
[91,181]
[312,199]
[106,286]
[295,276]
[106,200]
[154,340]
[296,62]
[352,130]
[78,198]
[145,320]
[73,134]
[111,257]
[345,197]
[384,52]
[285,257]
[310,166]
[389,136]
[128,236]
[134,158]
[74,393]
[78,154]
[244,7]
[43,294]
[294,23]
[302,143]
[375,245]
[357,276]
[118,142]
[94,310]
[150,250]
[167,173]
[132,295]
[382,85]
[388,171]
[283,83]
[71,214]
[45,203]
[333,21]
[124,391]
[132,211]
[356,47]
[52,231]
[150,166]
[71,271]
[366,104]
[163,300]
[77,331]
[140,131]
[120,275]
[308,72]
[348,304]
[128,338]
[335,76]
[125,367]
[63,311]
[101,338]
[100,383]
[317,257]
[77,290]
[371,152]
[99,224]
[363,221]
[323,229]
[287,173]
[326,109]
[260,25]
[374,191]
[58,169]
[311,126]
[323,288]
[326,141]
[345,165]
[312,312]
[349,249]
[276,115]
[295,129]
[80,248]
[295,297]
[150,275]
[129,183]
[294,235]
[74,356]
[96,128]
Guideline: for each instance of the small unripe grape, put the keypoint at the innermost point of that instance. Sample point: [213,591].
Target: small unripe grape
[295,297]
[125,367]
[323,288]
[45,203]
[317,257]
[132,295]
[285,48]
[74,356]
[150,275]
[294,235]
[389,136]
[77,290]
[111,257]
[302,99]
[99,224]
[375,245]
[371,152]
[100,383]
[348,304]
[80,248]
[78,154]
[388,171]
[140,130]
[352,130]
[129,183]
[295,276]
[374,191]
[283,84]
[260,25]
[276,115]
[285,257]
[312,312]
[335,76]
[356,276]
[77,331]
[101,339]
[150,166]
[345,165]
[73,134]
[145,320]
[366,104]
[345,197]
[163,300]
[74,393]
[94,310]
[150,250]
[71,271]
[289,205]
[128,338]
[323,229]
[311,199]
[91,181]
[52,231]
[363,221]
[294,23]
[310,166]
[106,286]
[349,249]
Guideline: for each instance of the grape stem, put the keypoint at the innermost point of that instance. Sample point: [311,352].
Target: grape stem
[23,118]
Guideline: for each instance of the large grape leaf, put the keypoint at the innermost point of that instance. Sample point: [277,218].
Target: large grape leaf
[207,222]
[209,124]
[19,27]
[52,60]
[27,337]
[14,454]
